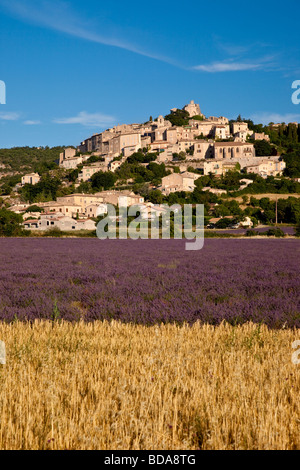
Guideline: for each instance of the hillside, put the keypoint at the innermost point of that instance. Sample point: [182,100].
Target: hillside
[18,161]
[29,158]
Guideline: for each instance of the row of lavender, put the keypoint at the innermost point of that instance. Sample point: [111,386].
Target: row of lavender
[291,231]
[151,281]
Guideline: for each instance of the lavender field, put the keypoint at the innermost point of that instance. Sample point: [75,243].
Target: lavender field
[151,281]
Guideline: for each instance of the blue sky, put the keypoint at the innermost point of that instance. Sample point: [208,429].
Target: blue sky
[75,68]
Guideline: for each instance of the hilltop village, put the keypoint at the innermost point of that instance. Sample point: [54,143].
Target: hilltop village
[176,151]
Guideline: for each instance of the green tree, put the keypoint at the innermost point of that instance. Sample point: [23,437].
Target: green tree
[103,180]
[85,187]
[198,118]
[156,197]
[45,190]
[223,223]
[178,118]
[264,149]
[179,157]
[292,160]
[10,224]
[34,208]
[221,211]
[94,159]
[231,180]
[159,171]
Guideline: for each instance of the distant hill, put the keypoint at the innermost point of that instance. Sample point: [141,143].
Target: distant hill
[18,161]
[29,159]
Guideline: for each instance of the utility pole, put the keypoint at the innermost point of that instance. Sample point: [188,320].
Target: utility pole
[276,211]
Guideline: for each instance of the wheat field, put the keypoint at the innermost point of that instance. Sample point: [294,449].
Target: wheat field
[113,386]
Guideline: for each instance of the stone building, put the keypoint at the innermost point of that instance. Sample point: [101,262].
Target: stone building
[239,127]
[66,155]
[193,109]
[267,167]
[121,198]
[88,171]
[229,150]
[178,182]
[32,178]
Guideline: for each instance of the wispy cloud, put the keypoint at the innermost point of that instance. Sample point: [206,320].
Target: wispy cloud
[226,67]
[32,123]
[59,15]
[232,49]
[9,116]
[267,117]
[88,120]
[240,57]
[232,65]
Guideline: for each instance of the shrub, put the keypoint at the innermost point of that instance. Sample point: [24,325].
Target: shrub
[251,233]
[34,208]
[224,223]
[10,224]
[275,232]
[54,232]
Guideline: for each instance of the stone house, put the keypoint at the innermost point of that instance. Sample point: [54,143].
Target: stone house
[267,168]
[88,171]
[73,163]
[260,136]
[178,182]
[67,154]
[32,178]
[94,210]
[221,132]
[63,223]
[80,201]
[67,209]
[121,198]
[239,127]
